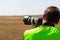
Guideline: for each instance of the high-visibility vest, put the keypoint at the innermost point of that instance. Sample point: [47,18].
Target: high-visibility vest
[42,33]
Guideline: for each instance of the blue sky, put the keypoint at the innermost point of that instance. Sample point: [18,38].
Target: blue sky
[25,7]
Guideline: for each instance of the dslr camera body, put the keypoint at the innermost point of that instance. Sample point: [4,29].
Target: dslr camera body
[29,20]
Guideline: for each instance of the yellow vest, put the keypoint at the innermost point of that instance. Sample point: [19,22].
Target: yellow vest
[42,33]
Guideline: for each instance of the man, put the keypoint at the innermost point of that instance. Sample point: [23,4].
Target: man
[47,31]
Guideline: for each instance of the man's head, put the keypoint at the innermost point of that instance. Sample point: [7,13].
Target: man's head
[52,14]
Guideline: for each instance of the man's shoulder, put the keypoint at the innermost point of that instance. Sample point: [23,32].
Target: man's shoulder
[32,31]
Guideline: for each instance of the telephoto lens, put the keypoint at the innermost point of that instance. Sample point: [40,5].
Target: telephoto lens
[29,20]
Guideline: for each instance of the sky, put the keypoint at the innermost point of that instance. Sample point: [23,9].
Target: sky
[25,7]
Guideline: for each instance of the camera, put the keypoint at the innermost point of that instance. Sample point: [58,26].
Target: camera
[28,20]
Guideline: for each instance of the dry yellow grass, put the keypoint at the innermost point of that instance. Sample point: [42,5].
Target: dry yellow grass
[12,27]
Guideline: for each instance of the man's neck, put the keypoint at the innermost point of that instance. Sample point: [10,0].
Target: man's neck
[48,23]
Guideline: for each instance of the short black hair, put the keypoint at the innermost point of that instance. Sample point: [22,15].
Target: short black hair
[52,14]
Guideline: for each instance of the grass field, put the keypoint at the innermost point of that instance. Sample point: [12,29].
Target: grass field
[12,27]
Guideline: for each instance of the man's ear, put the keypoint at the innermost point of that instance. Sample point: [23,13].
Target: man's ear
[43,17]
